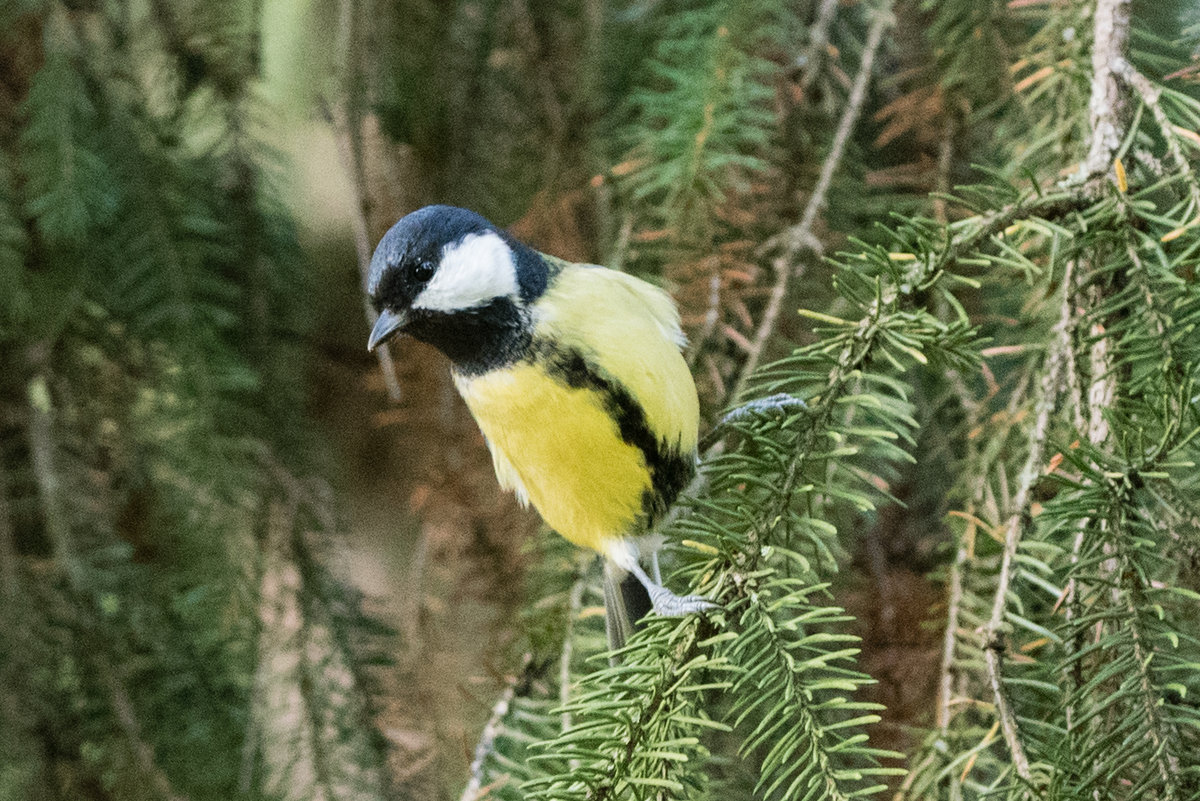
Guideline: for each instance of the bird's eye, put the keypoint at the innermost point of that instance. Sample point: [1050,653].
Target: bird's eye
[423,271]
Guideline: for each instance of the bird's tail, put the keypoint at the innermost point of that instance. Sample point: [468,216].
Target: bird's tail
[626,601]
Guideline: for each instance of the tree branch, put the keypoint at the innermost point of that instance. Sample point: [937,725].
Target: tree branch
[1108,106]
[1150,95]
[800,236]
[492,730]
[346,123]
[127,720]
[42,456]
[818,39]
[992,639]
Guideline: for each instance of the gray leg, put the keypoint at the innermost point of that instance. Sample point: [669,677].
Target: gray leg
[667,603]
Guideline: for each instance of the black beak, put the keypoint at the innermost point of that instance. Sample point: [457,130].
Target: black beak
[386,326]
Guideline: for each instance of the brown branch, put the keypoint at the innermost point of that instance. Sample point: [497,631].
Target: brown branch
[800,236]
[492,730]
[346,122]
[127,720]
[992,639]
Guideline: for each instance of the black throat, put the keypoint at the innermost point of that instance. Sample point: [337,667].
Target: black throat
[476,340]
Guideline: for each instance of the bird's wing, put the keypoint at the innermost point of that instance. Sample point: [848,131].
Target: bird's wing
[630,329]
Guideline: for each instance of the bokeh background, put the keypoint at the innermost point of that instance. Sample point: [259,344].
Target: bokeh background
[240,557]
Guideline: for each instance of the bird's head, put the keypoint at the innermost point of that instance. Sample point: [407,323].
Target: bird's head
[449,277]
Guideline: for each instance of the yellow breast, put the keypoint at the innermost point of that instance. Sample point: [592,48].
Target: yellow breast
[596,425]
[557,445]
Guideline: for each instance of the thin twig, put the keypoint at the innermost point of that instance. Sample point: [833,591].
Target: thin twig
[346,123]
[127,720]
[712,315]
[487,741]
[362,245]
[945,164]
[1150,95]
[954,595]
[1067,334]
[45,473]
[574,605]
[993,643]
[800,237]
[818,39]
[10,580]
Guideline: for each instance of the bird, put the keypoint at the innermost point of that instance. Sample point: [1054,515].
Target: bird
[574,373]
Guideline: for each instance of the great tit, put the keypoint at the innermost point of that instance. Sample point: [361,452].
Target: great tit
[573,373]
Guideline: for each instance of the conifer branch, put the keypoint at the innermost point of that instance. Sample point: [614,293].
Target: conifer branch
[127,720]
[492,729]
[813,56]
[1150,95]
[647,709]
[800,237]
[346,124]
[1019,518]
[1160,734]
[1108,105]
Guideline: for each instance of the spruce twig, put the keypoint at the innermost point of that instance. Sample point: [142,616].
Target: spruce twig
[491,730]
[1019,516]
[800,237]
[1150,95]
[1165,761]
[813,56]
[346,123]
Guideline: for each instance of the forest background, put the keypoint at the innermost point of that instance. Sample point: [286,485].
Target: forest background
[958,552]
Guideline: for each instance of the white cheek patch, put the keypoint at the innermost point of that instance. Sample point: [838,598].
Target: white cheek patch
[473,271]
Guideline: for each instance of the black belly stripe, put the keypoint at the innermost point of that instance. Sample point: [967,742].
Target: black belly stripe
[670,470]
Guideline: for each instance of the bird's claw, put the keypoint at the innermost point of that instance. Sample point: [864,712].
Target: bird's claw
[668,604]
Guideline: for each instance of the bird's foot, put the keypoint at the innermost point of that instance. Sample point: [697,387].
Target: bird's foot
[665,602]
[780,402]
[668,604]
